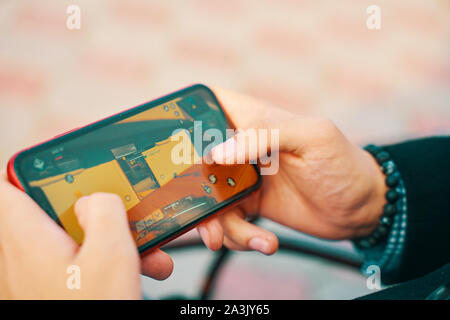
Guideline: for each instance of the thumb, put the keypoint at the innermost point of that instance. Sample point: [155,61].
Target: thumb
[263,143]
[103,218]
[252,146]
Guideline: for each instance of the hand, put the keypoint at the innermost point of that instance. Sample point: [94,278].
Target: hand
[325,186]
[35,252]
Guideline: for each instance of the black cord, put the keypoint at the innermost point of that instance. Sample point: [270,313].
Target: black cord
[212,275]
[285,244]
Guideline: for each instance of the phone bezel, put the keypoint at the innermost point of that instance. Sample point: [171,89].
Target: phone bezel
[17,158]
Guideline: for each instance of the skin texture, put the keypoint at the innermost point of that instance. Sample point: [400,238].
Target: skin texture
[326,186]
[35,252]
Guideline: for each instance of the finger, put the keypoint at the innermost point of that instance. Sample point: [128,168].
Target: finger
[211,233]
[21,219]
[157,264]
[257,145]
[246,234]
[230,244]
[103,218]
[259,115]
[296,133]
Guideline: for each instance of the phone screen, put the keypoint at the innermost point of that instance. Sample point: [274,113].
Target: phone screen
[151,156]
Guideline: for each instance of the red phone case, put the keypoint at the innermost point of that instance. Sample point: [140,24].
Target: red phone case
[13,177]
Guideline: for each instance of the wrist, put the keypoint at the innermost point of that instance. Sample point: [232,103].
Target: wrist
[393,202]
[376,199]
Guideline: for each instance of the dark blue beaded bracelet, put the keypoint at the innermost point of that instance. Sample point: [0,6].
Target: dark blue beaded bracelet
[389,209]
[392,179]
[388,167]
[393,197]
[372,148]
[382,156]
[386,221]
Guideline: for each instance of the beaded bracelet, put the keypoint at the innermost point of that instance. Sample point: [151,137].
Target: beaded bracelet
[394,196]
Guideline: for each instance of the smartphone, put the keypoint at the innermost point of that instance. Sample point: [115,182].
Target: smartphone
[151,156]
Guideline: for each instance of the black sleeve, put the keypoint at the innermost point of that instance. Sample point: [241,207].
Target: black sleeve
[425,168]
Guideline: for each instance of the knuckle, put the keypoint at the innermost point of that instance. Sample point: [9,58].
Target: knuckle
[321,130]
[327,126]
[322,123]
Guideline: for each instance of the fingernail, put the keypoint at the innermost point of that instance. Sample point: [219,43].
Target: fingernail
[207,158]
[204,233]
[79,202]
[260,245]
[223,153]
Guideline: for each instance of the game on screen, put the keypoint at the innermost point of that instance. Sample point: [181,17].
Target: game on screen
[132,158]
